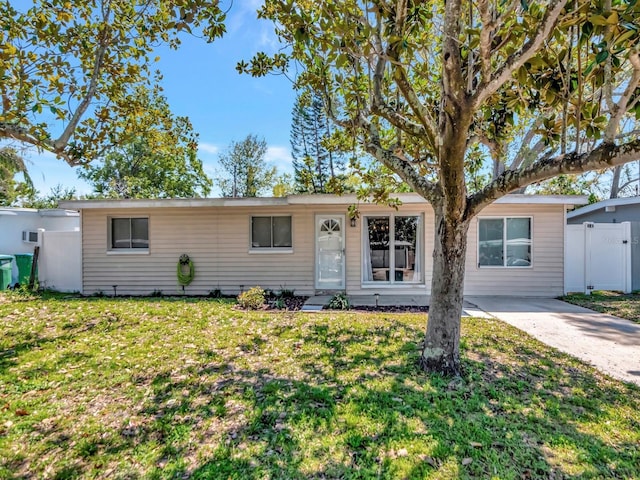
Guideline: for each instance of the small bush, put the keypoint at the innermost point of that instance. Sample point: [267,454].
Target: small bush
[340,301]
[286,292]
[252,299]
[217,293]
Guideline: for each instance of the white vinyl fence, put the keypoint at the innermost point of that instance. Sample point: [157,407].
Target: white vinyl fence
[598,257]
[60,261]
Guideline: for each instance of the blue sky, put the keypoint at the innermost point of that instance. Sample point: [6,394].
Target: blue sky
[200,81]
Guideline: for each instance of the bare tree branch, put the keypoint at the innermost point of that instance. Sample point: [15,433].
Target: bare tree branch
[606,155]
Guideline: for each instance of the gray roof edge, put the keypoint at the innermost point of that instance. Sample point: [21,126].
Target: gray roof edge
[610,202]
[306,199]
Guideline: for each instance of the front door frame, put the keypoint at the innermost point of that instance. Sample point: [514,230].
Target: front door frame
[317,221]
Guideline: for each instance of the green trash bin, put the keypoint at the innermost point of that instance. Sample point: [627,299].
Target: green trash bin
[5,271]
[24,261]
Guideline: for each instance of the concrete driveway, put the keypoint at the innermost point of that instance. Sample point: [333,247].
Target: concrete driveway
[609,343]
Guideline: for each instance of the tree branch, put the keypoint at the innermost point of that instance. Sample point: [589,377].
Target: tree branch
[621,107]
[606,155]
[485,41]
[396,164]
[519,58]
[9,130]
[379,106]
[96,74]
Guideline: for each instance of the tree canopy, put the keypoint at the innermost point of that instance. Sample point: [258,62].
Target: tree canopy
[434,90]
[73,72]
[245,171]
[161,162]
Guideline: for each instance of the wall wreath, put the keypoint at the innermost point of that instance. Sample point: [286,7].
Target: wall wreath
[186,270]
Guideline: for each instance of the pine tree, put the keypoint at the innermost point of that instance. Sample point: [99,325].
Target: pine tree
[317,168]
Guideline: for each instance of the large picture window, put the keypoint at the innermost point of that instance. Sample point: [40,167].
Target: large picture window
[271,232]
[504,242]
[392,249]
[129,233]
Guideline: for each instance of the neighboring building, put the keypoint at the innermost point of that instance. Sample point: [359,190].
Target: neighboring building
[19,226]
[56,232]
[309,243]
[615,210]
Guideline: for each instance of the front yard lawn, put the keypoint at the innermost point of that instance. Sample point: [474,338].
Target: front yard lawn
[186,388]
[614,303]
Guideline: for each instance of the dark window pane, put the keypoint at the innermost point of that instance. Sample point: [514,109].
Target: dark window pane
[261,232]
[120,233]
[282,231]
[139,233]
[490,242]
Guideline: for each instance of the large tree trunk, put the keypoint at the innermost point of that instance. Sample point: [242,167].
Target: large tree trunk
[442,340]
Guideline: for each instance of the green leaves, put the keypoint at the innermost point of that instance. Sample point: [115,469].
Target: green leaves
[157,160]
[78,63]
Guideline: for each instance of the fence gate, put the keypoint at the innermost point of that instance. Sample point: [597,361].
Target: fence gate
[598,257]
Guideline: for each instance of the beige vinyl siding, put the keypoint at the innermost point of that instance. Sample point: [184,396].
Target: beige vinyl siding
[545,276]
[217,239]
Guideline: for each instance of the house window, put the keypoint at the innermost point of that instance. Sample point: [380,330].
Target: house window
[271,232]
[392,249]
[129,233]
[504,242]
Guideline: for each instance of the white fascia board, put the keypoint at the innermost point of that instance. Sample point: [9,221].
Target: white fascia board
[58,212]
[172,203]
[350,198]
[321,199]
[610,202]
[544,199]
[17,211]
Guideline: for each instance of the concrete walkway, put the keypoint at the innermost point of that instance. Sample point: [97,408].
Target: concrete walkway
[609,343]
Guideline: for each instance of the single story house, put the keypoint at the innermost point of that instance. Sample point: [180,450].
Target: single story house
[615,211]
[308,243]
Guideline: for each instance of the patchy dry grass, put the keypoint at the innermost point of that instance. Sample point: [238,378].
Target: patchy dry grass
[161,388]
[619,304]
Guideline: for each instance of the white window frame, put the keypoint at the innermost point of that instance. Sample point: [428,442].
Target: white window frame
[126,251]
[269,250]
[504,241]
[392,225]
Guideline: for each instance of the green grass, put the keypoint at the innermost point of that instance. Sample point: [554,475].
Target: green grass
[162,388]
[619,304]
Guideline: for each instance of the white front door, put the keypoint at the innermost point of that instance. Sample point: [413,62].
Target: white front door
[330,252]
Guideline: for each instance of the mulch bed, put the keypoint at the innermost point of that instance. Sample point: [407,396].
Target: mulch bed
[296,303]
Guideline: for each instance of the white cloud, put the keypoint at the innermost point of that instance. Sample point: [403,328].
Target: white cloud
[280,157]
[210,148]
[268,38]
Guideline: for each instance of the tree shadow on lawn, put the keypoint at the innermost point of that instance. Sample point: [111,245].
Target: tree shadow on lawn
[364,410]
[357,406]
